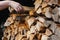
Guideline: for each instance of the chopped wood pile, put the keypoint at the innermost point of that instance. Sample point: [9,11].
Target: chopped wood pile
[41,23]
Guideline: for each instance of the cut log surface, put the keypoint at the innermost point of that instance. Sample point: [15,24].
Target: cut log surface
[41,22]
[39,11]
[47,13]
[33,29]
[48,32]
[30,21]
[44,37]
[38,26]
[47,23]
[53,27]
[37,4]
[55,14]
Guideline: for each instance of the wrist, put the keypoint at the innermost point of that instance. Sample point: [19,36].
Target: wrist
[9,2]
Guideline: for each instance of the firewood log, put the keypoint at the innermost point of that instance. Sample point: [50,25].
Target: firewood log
[39,11]
[38,26]
[39,36]
[30,21]
[53,27]
[54,37]
[18,37]
[48,32]
[47,23]
[59,11]
[37,4]
[44,4]
[33,29]
[9,21]
[32,36]
[55,14]
[26,8]
[53,2]
[28,34]
[41,19]
[44,37]
[47,12]
[57,32]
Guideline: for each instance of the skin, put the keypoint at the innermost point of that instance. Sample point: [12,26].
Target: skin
[15,5]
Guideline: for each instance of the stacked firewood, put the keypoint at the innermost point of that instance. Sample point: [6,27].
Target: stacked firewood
[41,23]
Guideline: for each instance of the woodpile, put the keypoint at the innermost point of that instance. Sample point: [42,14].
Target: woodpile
[41,23]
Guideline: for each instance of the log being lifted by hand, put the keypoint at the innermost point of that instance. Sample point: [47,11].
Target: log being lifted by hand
[26,8]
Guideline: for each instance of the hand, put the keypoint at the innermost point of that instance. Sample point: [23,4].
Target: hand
[16,6]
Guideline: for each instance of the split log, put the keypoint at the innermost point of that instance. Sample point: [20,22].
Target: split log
[10,20]
[48,32]
[39,26]
[39,11]
[47,23]
[53,27]
[54,37]
[53,2]
[41,19]
[55,15]
[33,29]
[30,21]
[44,37]
[18,37]
[57,30]
[47,12]
[32,36]
[39,36]
[44,4]
[26,8]
[37,4]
